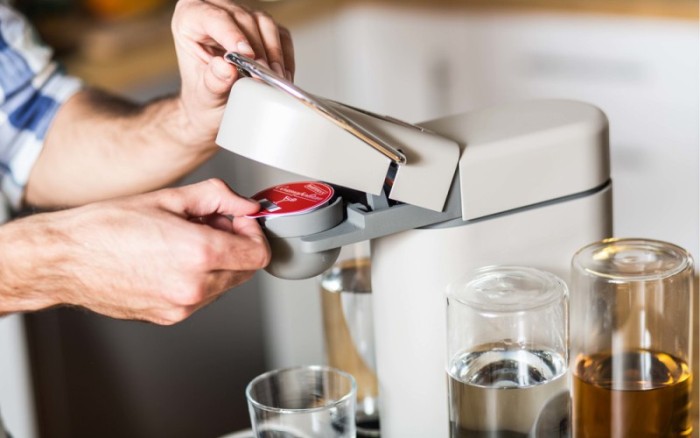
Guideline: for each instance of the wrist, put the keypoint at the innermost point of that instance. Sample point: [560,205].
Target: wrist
[191,129]
[31,274]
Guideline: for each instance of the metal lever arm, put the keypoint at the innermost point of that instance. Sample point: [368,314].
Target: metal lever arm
[253,69]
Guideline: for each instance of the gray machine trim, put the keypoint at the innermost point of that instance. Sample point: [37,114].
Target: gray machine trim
[361,225]
[460,222]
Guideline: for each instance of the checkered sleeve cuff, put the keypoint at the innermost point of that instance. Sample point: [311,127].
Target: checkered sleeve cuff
[32,89]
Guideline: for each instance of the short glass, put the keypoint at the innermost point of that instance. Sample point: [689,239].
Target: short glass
[631,339]
[507,338]
[302,402]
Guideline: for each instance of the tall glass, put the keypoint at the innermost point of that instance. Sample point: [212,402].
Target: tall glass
[346,298]
[507,354]
[302,402]
[631,339]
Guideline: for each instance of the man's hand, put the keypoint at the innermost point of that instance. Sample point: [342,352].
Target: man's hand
[203,31]
[155,257]
[99,146]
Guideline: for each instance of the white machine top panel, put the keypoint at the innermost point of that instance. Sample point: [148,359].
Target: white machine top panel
[529,152]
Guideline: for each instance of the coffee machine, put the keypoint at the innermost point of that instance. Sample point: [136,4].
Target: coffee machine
[526,183]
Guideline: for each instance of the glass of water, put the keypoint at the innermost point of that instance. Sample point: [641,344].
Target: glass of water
[302,402]
[507,336]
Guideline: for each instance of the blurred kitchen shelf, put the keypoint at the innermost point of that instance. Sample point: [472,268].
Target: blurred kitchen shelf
[682,9]
[121,54]
[117,55]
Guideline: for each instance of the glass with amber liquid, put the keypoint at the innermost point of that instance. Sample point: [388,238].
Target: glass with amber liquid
[631,339]
[346,300]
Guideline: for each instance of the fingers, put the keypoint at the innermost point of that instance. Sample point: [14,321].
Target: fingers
[208,197]
[206,23]
[223,251]
[230,202]
[244,226]
[245,249]
[270,42]
[182,306]
[288,52]
[239,246]
[221,281]
[249,26]
[219,222]
[270,34]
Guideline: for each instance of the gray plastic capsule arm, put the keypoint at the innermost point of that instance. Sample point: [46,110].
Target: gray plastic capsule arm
[305,245]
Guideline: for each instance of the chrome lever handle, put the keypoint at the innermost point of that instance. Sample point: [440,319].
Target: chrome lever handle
[251,68]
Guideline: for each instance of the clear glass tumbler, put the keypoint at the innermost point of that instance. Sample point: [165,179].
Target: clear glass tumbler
[302,402]
[631,339]
[346,299]
[507,354]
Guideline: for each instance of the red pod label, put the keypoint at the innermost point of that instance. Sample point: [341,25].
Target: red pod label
[292,198]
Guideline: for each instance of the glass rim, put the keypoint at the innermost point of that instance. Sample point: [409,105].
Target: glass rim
[554,290]
[324,368]
[352,262]
[686,260]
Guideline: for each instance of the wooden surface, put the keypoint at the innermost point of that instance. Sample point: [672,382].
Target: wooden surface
[680,9]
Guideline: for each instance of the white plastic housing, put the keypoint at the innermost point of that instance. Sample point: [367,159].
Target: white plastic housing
[523,153]
[410,274]
[534,188]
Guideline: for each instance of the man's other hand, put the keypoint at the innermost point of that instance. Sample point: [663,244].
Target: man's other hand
[156,257]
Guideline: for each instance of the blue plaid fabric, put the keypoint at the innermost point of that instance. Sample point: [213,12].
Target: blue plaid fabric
[32,88]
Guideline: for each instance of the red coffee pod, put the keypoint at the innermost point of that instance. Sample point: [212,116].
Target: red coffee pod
[292,198]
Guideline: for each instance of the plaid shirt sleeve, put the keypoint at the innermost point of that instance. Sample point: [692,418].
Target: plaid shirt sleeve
[32,88]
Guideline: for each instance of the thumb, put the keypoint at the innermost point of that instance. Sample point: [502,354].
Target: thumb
[206,198]
[219,77]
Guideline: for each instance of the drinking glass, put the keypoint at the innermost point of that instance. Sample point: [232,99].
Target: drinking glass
[346,299]
[507,354]
[631,339]
[302,402]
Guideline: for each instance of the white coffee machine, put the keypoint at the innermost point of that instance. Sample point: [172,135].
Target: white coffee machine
[524,184]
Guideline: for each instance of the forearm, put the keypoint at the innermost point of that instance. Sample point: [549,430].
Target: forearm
[102,147]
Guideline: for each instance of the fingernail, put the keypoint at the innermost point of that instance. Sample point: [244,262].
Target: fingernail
[289,75]
[244,48]
[277,68]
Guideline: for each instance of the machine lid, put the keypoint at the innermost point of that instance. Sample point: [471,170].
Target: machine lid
[281,130]
[525,153]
